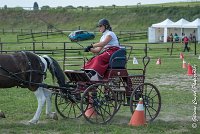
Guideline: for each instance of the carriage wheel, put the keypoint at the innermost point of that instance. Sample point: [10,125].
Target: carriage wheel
[68,106]
[98,104]
[151,100]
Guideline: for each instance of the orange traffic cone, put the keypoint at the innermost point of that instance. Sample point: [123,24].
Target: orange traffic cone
[138,117]
[181,56]
[189,71]
[158,61]
[90,112]
[184,64]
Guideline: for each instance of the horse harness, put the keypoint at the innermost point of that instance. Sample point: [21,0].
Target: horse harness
[28,71]
[30,68]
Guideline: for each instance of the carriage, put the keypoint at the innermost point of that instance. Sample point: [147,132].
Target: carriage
[99,101]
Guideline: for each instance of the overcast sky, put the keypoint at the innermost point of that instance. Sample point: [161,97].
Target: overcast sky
[76,3]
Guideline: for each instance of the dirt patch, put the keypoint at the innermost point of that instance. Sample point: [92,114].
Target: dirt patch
[176,107]
[177,82]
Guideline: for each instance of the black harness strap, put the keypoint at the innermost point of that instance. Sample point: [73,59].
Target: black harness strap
[42,70]
[12,75]
[29,66]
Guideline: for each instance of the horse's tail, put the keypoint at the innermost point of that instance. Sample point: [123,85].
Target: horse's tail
[55,70]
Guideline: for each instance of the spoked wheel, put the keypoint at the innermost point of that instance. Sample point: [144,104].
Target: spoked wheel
[151,100]
[68,105]
[98,104]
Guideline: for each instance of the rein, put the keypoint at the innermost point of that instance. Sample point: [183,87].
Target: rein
[20,80]
[22,72]
[12,75]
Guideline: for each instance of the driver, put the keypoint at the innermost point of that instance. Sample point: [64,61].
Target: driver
[96,67]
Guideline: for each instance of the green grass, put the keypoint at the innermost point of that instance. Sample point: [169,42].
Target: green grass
[172,81]
[132,18]
[175,117]
[19,106]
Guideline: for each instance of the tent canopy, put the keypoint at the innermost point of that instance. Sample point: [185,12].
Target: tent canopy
[163,24]
[193,24]
[180,23]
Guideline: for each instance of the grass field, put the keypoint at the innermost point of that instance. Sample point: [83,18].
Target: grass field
[177,109]
[125,18]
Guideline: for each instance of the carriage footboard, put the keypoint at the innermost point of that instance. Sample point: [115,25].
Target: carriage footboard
[76,76]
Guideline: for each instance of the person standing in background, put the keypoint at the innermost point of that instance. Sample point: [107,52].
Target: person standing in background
[186,42]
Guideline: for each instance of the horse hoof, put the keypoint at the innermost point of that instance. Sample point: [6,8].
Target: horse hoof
[32,122]
[55,117]
[52,116]
[2,115]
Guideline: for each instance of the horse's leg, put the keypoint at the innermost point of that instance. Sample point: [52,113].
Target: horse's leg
[51,115]
[41,100]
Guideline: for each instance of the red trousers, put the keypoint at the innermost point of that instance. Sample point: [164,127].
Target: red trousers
[100,62]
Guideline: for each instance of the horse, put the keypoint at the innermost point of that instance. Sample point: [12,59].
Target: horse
[28,70]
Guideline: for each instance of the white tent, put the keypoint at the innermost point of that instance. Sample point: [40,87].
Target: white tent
[180,26]
[163,24]
[160,31]
[180,23]
[193,24]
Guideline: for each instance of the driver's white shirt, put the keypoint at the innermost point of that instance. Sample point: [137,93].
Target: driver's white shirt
[114,41]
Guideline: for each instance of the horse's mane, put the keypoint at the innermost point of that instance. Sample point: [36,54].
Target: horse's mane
[55,70]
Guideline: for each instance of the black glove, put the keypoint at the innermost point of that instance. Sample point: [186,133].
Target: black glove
[87,49]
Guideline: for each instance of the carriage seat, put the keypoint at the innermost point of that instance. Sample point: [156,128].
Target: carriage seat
[118,59]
